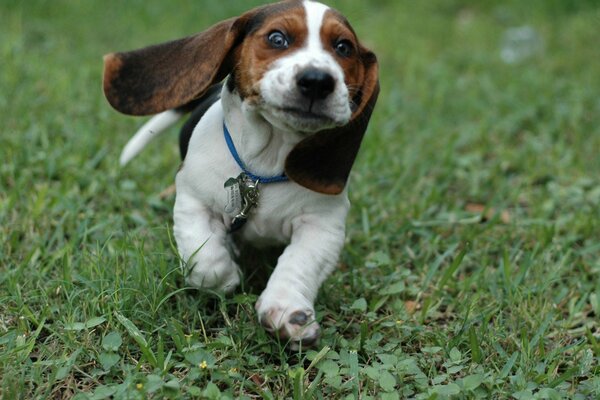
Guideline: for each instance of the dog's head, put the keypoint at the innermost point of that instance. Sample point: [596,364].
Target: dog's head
[298,63]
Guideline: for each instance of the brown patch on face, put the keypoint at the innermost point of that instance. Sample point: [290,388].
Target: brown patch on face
[336,29]
[256,55]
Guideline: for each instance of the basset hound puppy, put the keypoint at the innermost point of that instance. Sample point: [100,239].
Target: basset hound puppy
[267,154]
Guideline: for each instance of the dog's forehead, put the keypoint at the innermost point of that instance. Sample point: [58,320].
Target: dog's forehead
[266,13]
[315,15]
[320,18]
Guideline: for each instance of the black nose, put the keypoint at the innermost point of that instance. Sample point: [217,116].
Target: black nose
[315,84]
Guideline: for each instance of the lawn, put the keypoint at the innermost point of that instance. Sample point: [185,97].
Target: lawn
[472,262]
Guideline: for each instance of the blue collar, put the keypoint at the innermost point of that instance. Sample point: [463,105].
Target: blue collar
[236,156]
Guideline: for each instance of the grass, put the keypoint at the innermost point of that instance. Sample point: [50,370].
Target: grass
[472,264]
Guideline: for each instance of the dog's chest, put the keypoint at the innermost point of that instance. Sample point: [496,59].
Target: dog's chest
[209,165]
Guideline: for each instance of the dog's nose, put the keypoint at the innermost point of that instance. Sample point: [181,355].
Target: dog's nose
[315,83]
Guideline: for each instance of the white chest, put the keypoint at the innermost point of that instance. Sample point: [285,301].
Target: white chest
[209,164]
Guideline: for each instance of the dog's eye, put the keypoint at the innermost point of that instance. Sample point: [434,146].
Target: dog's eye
[344,48]
[278,40]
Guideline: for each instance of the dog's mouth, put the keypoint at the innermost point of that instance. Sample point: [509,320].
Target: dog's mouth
[301,119]
[311,115]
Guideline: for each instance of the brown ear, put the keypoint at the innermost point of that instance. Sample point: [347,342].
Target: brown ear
[322,162]
[168,75]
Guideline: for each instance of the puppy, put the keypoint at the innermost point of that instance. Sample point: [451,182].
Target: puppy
[267,154]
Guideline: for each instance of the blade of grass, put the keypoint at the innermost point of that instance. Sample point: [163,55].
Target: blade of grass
[139,338]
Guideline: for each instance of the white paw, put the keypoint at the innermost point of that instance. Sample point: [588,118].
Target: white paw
[221,277]
[288,319]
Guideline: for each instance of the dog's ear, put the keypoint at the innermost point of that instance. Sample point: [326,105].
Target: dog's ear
[322,162]
[169,75]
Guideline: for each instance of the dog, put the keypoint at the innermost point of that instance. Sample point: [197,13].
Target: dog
[266,154]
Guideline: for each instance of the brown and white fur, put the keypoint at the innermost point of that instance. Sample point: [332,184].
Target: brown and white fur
[299,92]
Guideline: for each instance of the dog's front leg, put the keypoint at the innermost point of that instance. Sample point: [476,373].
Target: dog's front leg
[286,305]
[202,243]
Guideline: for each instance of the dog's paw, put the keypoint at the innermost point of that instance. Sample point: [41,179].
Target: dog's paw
[289,322]
[220,277]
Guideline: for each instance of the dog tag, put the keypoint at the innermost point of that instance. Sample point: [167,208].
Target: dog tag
[234,196]
[249,199]
[249,195]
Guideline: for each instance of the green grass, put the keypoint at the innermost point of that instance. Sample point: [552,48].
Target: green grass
[472,265]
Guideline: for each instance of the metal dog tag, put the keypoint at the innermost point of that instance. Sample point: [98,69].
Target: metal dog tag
[249,195]
[234,196]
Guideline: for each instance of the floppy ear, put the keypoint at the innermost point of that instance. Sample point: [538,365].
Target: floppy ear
[168,75]
[322,162]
